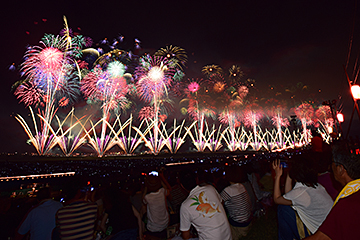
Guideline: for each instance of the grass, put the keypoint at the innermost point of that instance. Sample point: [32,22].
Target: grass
[265,227]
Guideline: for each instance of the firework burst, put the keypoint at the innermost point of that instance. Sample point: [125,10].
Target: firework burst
[173,52]
[209,70]
[146,112]
[235,74]
[109,89]
[305,112]
[154,76]
[29,94]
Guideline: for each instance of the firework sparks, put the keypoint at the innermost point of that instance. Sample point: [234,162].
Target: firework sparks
[29,94]
[173,52]
[305,112]
[235,74]
[209,70]
[146,113]
[193,87]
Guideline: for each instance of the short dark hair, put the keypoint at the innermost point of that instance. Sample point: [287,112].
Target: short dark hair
[188,179]
[235,174]
[302,169]
[43,193]
[343,156]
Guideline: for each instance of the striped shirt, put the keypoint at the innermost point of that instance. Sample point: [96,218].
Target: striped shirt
[237,202]
[77,220]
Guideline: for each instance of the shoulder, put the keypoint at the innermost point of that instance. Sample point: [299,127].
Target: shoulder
[297,191]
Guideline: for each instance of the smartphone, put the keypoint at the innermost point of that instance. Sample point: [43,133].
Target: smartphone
[284,164]
[153,173]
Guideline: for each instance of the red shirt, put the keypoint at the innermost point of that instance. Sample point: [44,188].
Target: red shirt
[317,143]
[343,219]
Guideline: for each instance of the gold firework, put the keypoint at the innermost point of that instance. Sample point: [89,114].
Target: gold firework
[235,73]
[173,52]
[209,70]
[219,87]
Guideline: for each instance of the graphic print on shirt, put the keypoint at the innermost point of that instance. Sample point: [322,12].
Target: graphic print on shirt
[204,206]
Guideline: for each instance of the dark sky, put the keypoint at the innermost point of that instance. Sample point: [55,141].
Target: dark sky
[275,42]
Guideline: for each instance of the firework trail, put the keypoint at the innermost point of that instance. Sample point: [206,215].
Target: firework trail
[305,112]
[154,76]
[50,76]
[108,88]
[251,117]
[324,117]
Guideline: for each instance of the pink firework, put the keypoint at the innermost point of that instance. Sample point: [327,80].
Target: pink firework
[193,87]
[29,94]
[323,113]
[280,121]
[154,75]
[305,112]
[243,91]
[44,66]
[99,85]
[251,118]
[146,113]
[50,65]
[196,109]
[229,118]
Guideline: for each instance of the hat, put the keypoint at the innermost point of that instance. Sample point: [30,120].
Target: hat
[153,183]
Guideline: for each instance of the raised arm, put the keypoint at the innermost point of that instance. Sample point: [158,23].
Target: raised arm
[278,198]
[288,183]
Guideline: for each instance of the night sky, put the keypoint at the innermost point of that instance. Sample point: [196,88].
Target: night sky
[275,42]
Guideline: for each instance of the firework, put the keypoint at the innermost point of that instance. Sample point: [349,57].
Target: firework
[243,92]
[209,70]
[108,89]
[219,87]
[50,75]
[146,113]
[305,113]
[29,94]
[193,87]
[113,56]
[173,52]
[235,74]
[324,117]
[251,119]
[154,76]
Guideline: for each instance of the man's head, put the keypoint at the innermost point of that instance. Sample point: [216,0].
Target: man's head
[188,179]
[346,166]
[43,193]
[75,187]
[235,174]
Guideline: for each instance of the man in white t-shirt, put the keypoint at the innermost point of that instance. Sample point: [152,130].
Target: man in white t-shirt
[203,210]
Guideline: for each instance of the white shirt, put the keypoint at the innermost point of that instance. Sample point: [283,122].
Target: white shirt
[158,216]
[203,209]
[312,204]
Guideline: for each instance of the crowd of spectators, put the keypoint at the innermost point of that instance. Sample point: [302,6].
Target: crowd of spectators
[210,198]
